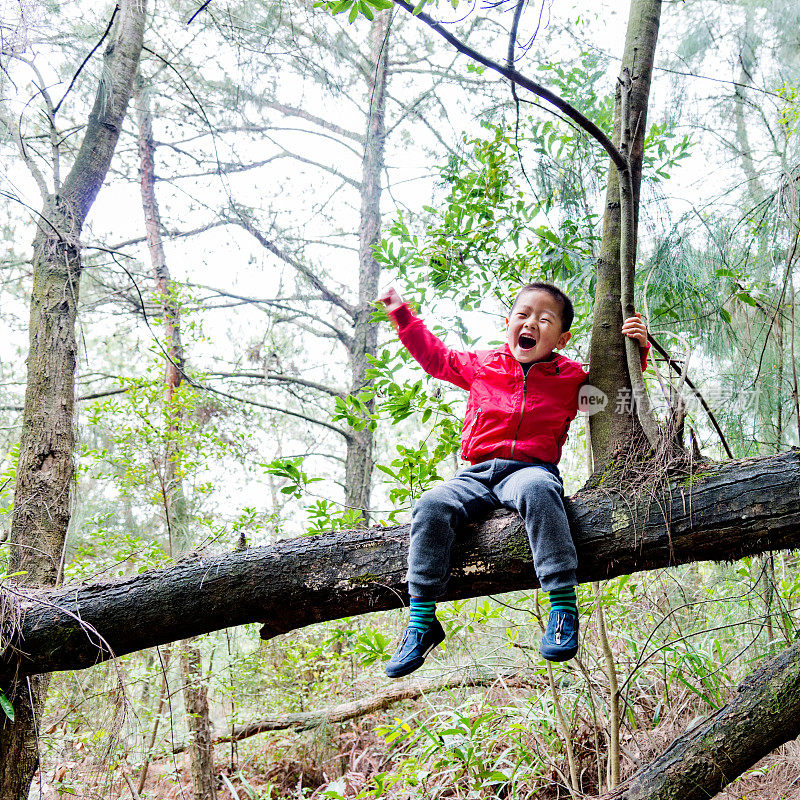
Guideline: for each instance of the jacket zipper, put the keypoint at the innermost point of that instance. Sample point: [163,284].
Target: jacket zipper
[522,410]
[563,437]
[472,427]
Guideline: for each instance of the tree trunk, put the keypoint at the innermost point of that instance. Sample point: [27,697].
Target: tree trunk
[764,714]
[737,509]
[195,693]
[195,700]
[45,469]
[613,426]
[358,466]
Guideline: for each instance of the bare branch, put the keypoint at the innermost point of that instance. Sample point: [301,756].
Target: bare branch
[279,377]
[86,60]
[269,407]
[325,167]
[12,126]
[169,235]
[304,270]
[397,693]
[292,111]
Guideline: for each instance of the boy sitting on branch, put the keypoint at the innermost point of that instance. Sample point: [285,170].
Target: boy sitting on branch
[522,398]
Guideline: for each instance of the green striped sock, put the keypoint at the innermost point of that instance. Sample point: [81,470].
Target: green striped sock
[564,599]
[422,613]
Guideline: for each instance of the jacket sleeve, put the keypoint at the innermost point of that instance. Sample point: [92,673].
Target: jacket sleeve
[433,355]
[643,353]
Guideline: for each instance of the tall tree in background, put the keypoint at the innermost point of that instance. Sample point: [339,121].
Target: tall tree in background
[176,512]
[358,334]
[45,468]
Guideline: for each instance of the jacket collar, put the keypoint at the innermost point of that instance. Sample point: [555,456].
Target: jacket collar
[550,366]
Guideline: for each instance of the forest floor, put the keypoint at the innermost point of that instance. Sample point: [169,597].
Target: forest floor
[343,760]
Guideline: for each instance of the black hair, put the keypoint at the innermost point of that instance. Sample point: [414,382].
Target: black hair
[567,309]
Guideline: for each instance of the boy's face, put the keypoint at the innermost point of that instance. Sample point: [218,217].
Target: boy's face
[534,328]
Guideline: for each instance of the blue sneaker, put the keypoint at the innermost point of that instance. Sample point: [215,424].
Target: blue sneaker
[413,648]
[560,640]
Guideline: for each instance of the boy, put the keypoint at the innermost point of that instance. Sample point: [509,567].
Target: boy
[522,398]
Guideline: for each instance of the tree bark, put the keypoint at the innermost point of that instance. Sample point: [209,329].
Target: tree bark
[195,701]
[358,464]
[736,509]
[45,469]
[763,714]
[613,426]
[195,692]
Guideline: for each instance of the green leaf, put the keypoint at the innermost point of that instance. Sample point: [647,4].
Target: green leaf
[351,17]
[745,297]
[5,704]
[725,315]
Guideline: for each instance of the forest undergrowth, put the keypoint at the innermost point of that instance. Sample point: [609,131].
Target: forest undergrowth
[680,640]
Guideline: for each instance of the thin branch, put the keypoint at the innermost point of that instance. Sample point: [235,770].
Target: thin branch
[86,60]
[279,377]
[674,365]
[104,393]
[303,160]
[50,113]
[202,8]
[167,235]
[307,272]
[408,690]
[224,169]
[269,407]
[16,134]
[335,333]
[526,83]
[292,111]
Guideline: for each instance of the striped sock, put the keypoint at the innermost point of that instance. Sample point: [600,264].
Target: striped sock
[564,599]
[422,613]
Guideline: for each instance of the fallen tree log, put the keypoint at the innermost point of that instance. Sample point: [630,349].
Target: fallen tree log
[763,714]
[397,693]
[731,510]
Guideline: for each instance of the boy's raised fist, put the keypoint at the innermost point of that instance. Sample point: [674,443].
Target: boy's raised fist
[390,298]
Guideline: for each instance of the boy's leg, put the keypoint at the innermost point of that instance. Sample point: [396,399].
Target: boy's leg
[537,494]
[436,516]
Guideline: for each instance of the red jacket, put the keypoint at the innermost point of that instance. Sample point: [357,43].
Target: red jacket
[509,414]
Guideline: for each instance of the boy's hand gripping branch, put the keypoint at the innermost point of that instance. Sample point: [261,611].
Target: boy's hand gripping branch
[636,329]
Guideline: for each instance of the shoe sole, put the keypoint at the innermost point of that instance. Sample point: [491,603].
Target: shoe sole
[559,657]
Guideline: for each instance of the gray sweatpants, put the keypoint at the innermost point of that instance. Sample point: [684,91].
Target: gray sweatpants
[534,490]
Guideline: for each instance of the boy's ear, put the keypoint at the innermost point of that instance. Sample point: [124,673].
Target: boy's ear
[563,339]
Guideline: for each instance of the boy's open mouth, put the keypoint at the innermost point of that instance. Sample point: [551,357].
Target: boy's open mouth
[526,342]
